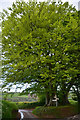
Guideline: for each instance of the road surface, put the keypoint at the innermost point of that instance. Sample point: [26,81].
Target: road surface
[27,115]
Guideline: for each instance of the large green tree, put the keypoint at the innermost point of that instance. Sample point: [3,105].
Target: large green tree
[76,86]
[40,45]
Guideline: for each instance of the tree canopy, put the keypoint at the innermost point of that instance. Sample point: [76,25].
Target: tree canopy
[40,44]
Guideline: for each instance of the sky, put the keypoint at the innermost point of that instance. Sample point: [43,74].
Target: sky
[16,88]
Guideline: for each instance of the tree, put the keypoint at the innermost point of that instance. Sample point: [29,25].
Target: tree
[76,86]
[39,46]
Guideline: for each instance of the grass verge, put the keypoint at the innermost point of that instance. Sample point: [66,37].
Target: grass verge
[9,110]
[55,112]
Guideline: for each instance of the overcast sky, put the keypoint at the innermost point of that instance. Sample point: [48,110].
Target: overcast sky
[7,3]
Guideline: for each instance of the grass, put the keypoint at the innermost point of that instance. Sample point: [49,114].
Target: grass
[76,104]
[0,113]
[13,95]
[16,97]
[57,112]
[23,96]
[9,110]
[73,102]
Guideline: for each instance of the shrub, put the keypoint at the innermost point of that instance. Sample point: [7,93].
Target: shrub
[42,98]
[9,110]
[55,112]
[29,105]
[75,98]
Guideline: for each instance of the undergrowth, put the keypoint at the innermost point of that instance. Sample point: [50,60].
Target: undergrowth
[9,110]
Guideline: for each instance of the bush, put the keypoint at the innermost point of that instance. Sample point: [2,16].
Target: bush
[73,102]
[9,110]
[55,112]
[42,98]
[75,98]
[29,105]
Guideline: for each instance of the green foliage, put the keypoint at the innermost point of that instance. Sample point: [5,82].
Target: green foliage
[7,110]
[17,97]
[55,112]
[73,102]
[42,98]
[29,105]
[40,44]
[76,89]
[74,97]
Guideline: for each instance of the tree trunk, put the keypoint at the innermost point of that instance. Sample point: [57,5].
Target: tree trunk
[50,101]
[78,99]
[47,99]
[64,98]
[52,95]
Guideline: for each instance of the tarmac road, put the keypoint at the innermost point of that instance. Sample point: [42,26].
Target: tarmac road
[26,114]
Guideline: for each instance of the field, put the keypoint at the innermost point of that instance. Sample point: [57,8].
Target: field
[16,97]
